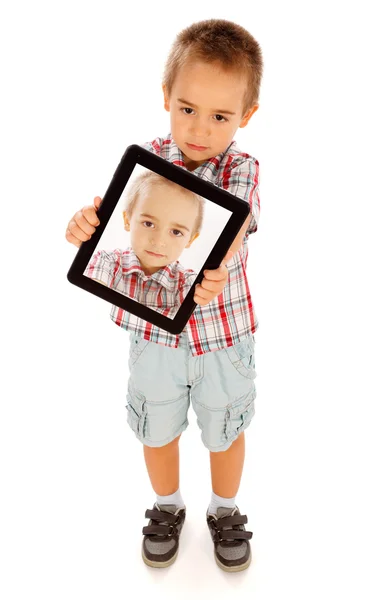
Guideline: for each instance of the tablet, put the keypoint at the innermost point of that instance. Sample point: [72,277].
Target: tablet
[160,227]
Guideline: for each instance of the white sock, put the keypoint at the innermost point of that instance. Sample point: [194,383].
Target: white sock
[218,501]
[175,499]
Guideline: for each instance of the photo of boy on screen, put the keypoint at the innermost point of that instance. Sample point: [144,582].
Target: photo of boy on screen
[163,219]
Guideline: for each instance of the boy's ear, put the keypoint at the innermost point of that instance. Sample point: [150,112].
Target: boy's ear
[166,98]
[192,240]
[248,115]
[126,221]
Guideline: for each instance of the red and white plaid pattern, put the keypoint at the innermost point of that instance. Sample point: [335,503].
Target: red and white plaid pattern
[230,317]
[163,291]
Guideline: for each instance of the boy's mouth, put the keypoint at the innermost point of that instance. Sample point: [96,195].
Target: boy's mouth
[198,148]
[155,254]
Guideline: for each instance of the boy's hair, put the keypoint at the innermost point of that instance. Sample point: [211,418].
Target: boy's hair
[218,41]
[149,178]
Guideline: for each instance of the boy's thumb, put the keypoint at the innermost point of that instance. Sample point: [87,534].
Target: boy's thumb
[97,201]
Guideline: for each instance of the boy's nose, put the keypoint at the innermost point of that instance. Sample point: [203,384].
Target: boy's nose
[200,130]
[158,242]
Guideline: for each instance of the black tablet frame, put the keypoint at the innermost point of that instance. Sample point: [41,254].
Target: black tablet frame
[133,155]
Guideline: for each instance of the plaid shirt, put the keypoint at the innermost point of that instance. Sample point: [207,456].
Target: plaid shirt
[230,317]
[163,291]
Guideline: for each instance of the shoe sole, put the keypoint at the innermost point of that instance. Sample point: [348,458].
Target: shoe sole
[234,569]
[159,565]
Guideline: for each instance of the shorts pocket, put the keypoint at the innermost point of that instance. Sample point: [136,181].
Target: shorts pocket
[137,346]
[137,416]
[239,414]
[241,356]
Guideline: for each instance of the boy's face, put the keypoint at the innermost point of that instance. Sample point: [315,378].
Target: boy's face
[206,109]
[161,226]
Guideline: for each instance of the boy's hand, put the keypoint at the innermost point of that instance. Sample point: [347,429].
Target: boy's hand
[213,283]
[83,223]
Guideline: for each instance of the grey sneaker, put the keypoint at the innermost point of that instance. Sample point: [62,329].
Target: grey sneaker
[231,541]
[160,545]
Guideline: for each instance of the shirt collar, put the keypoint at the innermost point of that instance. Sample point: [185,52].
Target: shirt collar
[166,276]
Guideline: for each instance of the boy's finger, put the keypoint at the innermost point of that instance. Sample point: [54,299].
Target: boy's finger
[216,274]
[222,271]
[200,292]
[83,224]
[210,286]
[89,213]
[78,232]
[72,239]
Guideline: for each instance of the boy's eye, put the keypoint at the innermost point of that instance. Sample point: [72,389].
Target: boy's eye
[147,224]
[187,110]
[220,118]
[175,231]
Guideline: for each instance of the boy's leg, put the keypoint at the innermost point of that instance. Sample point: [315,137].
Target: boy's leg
[163,467]
[158,401]
[160,545]
[227,467]
[225,522]
[223,400]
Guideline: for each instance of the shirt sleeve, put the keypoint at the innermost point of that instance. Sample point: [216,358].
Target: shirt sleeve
[105,267]
[242,180]
[154,146]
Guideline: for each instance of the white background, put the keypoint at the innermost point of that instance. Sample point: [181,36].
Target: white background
[80,81]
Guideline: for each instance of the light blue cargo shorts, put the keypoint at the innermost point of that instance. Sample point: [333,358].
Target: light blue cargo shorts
[164,381]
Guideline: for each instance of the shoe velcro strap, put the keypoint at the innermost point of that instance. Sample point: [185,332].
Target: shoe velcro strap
[230,521]
[232,534]
[159,515]
[157,530]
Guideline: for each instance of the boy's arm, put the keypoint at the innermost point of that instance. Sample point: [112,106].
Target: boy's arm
[242,181]
[240,235]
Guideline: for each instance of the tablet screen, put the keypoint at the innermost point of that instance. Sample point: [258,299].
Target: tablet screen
[156,241]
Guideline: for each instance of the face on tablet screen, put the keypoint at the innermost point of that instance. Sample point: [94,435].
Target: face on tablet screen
[156,241]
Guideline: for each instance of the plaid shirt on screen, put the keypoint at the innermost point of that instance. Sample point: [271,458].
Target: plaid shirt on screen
[230,317]
[121,270]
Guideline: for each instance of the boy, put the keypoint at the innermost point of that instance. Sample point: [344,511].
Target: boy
[211,87]
[163,219]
